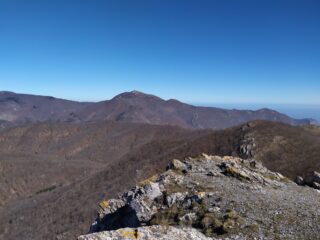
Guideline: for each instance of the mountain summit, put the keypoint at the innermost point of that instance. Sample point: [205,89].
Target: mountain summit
[134,106]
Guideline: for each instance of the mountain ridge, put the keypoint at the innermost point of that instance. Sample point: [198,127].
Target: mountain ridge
[59,171]
[134,106]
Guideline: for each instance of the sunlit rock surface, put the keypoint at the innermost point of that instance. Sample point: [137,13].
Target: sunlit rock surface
[211,197]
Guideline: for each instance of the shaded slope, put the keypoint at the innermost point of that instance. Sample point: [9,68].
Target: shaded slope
[98,160]
[69,208]
[23,108]
[290,150]
[38,156]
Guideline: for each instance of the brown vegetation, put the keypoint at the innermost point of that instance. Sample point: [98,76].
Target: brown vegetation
[89,162]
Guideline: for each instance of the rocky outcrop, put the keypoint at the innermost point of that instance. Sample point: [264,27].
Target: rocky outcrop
[311,180]
[144,233]
[246,149]
[211,197]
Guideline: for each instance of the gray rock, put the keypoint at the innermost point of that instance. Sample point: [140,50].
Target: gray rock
[299,180]
[142,210]
[188,218]
[316,185]
[174,198]
[243,201]
[312,177]
[316,177]
[148,233]
[177,165]
[152,190]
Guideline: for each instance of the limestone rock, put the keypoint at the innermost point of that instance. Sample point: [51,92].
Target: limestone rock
[175,198]
[220,197]
[152,191]
[177,165]
[148,233]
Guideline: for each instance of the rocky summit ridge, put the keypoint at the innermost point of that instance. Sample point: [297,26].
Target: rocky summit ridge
[211,197]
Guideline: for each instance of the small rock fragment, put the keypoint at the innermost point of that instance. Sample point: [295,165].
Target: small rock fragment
[316,185]
[177,165]
[299,180]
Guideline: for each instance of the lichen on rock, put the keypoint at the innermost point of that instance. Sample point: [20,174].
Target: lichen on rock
[210,197]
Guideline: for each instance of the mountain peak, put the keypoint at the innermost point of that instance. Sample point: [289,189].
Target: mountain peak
[135,94]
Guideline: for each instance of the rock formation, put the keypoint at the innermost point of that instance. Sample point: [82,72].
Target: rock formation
[211,197]
[311,180]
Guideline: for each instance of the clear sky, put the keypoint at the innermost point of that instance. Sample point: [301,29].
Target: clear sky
[204,51]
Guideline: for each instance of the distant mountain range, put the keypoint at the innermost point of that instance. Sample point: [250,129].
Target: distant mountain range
[58,158]
[137,107]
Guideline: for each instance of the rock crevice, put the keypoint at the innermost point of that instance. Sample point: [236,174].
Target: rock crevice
[211,197]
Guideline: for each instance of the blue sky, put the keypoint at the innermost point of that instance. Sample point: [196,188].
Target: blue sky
[199,51]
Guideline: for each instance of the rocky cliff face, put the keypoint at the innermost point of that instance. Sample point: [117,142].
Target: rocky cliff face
[211,197]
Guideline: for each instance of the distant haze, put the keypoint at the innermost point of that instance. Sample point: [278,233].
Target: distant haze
[292,110]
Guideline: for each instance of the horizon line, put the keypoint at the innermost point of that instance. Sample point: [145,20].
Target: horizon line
[195,103]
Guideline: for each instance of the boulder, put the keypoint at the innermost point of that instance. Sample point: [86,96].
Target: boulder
[299,180]
[312,177]
[177,165]
[316,177]
[188,219]
[173,198]
[234,171]
[316,185]
[152,191]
